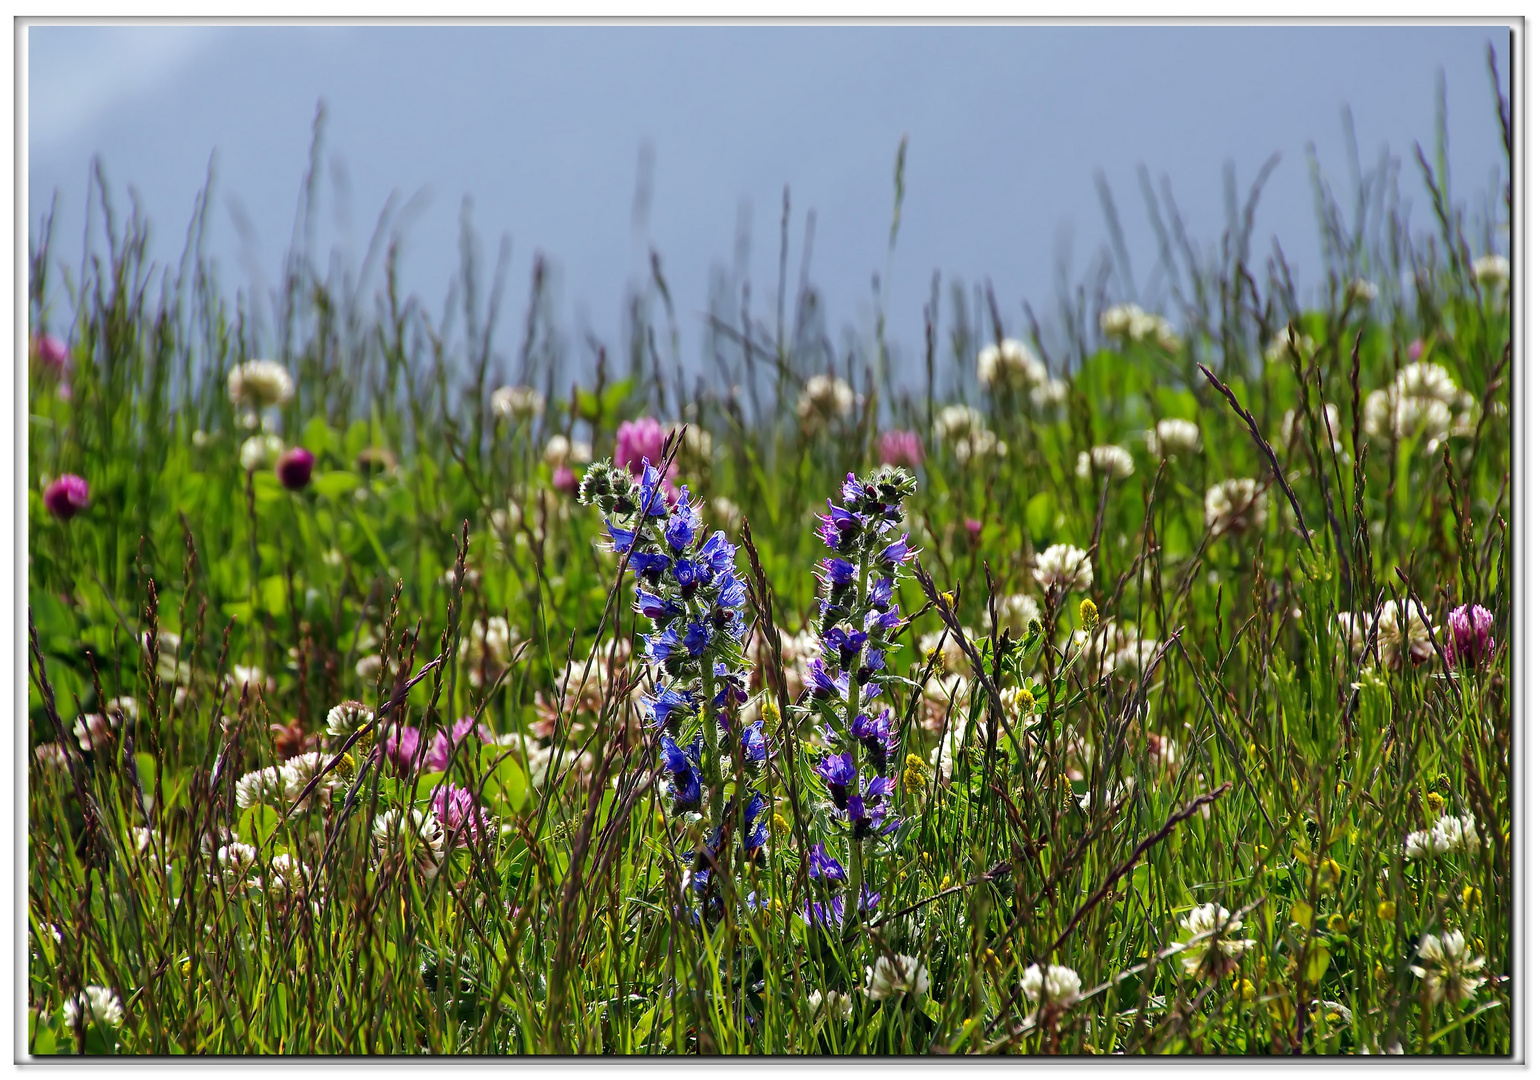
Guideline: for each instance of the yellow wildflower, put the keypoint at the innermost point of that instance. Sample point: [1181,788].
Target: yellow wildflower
[1088,615]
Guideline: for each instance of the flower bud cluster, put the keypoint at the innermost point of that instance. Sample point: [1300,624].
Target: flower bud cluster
[688,588]
[857,619]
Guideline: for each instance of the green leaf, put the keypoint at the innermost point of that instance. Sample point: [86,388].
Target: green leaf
[257,824]
[334,484]
[1317,961]
[1040,516]
[508,785]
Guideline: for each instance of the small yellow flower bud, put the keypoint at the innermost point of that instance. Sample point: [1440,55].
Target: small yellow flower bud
[771,710]
[1088,615]
[347,768]
[1247,989]
[914,773]
[1025,702]
[1470,896]
[1387,909]
[187,967]
[778,825]
[1331,873]
[1435,802]
[1337,924]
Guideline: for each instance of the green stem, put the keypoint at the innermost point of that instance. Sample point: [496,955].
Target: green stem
[853,746]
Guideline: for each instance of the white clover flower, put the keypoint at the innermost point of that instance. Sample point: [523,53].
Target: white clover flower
[368,667]
[1209,927]
[1457,834]
[1173,436]
[979,445]
[1235,505]
[236,861]
[517,402]
[1286,342]
[263,786]
[98,1003]
[51,755]
[1446,967]
[94,731]
[1355,625]
[1010,363]
[345,718]
[1296,427]
[825,398]
[1017,611]
[1130,322]
[1419,845]
[954,422]
[1049,394]
[414,838]
[284,876]
[247,678]
[1401,634]
[486,649]
[1423,379]
[1360,291]
[896,976]
[1063,566]
[1490,270]
[1111,461]
[300,769]
[258,384]
[260,451]
[835,1005]
[558,450]
[1053,986]
[1421,403]
[1117,321]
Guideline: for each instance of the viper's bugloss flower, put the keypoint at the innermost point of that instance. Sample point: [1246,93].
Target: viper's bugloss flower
[67,496]
[838,772]
[857,618]
[1468,639]
[689,591]
[294,467]
[821,866]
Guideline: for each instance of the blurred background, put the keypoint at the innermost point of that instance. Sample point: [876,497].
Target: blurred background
[594,146]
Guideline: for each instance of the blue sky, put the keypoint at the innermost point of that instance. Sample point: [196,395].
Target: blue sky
[542,127]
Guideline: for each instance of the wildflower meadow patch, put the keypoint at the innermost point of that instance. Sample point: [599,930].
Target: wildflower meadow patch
[1144,693]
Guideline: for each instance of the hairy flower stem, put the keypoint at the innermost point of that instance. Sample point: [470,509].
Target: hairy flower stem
[711,761]
[853,745]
